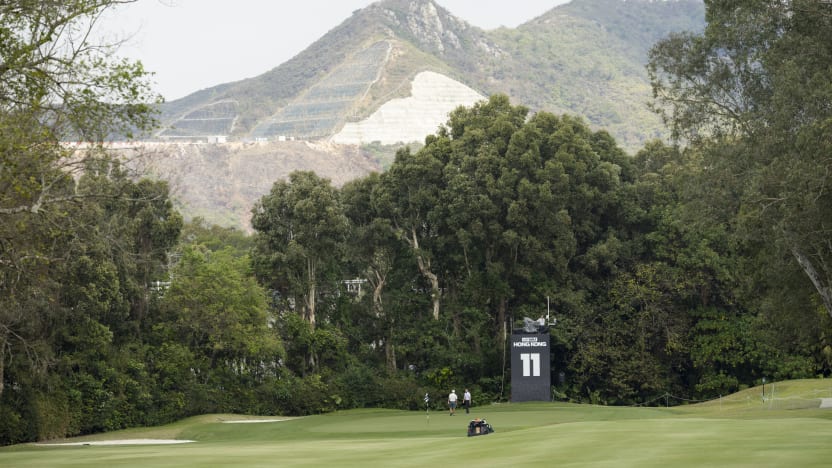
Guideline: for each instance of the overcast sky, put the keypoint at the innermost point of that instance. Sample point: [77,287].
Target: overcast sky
[195,44]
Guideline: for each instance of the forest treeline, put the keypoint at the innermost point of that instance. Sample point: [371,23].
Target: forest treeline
[694,268]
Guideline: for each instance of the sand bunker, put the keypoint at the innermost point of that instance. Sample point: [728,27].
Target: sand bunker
[157,441]
[246,421]
[126,442]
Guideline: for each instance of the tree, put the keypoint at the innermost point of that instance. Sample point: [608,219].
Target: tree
[300,231]
[76,319]
[375,249]
[410,193]
[56,84]
[213,237]
[754,91]
[219,312]
[483,201]
[216,314]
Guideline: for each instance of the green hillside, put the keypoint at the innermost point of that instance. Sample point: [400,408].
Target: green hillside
[588,58]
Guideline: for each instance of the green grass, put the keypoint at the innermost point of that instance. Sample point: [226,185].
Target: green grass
[743,429]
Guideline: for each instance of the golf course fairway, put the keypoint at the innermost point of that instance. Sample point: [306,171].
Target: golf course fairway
[788,426]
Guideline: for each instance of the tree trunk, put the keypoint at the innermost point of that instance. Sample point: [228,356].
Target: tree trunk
[502,328]
[824,290]
[378,281]
[434,293]
[390,351]
[424,268]
[3,344]
[310,293]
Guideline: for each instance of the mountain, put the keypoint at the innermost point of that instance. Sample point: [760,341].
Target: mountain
[391,72]
[586,57]
[344,76]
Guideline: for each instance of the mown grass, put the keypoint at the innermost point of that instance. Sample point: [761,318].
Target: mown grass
[787,428]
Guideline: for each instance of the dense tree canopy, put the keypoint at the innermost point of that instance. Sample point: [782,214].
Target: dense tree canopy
[79,240]
[302,226]
[755,90]
[500,211]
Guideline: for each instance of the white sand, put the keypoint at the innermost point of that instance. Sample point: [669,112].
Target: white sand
[246,421]
[126,442]
[156,441]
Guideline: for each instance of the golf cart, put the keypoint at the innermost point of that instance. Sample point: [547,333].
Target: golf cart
[479,427]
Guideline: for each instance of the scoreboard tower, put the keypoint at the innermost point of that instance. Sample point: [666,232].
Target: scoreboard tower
[530,367]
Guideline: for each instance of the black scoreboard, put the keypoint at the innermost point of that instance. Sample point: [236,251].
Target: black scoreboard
[530,368]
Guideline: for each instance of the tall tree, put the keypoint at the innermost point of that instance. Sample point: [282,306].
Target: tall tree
[56,84]
[301,229]
[410,192]
[758,84]
[216,309]
[482,201]
[374,248]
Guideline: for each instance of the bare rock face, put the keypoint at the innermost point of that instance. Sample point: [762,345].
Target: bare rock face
[425,24]
[433,97]
[432,27]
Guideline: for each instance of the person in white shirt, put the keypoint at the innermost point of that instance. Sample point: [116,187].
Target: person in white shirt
[466,401]
[452,402]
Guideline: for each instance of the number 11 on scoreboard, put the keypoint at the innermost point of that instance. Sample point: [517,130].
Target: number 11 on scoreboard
[531,364]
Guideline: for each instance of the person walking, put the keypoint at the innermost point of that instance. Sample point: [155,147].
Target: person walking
[452,402]
[466,401]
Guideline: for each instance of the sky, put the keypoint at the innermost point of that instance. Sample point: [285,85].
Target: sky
[195,44]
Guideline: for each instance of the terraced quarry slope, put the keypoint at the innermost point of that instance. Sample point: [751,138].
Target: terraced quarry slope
[433,97]
[322,109]
[211,120]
